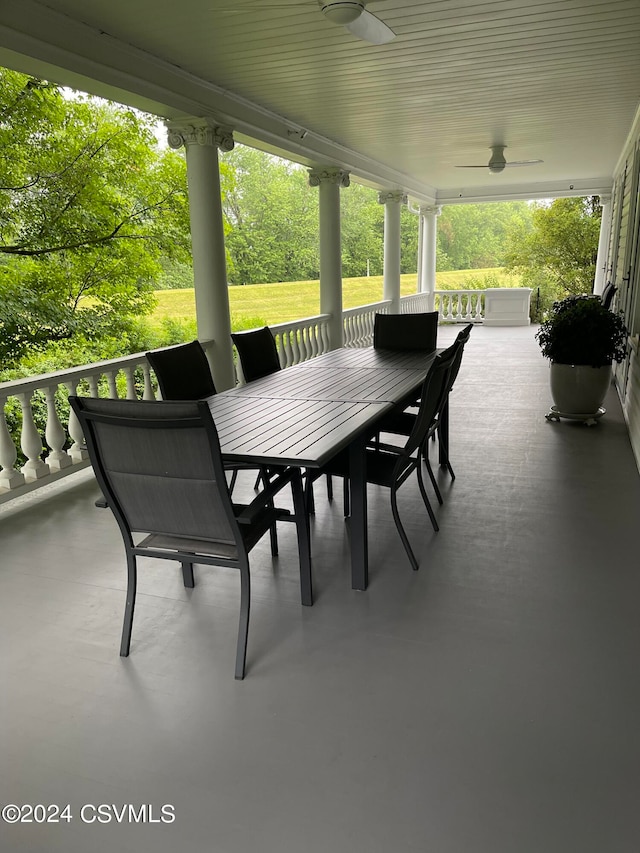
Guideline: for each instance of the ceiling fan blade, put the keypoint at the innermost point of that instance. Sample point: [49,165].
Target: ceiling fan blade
[371,29]
[472,167]
[524,162]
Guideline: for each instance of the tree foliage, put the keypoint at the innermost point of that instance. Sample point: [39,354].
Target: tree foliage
[88,206]
[558,251]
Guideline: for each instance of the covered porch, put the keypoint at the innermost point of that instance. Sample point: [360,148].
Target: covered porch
[488,702]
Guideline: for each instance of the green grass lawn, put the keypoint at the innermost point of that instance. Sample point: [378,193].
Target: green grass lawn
[268,304]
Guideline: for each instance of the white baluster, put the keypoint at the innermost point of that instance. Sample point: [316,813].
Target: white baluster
[31,443]
[78,450]
[111,384]
[131,386]
[93,385]
[148,386]
[57,458]
[9,477]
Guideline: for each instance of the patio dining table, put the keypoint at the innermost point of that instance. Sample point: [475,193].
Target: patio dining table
[304,415]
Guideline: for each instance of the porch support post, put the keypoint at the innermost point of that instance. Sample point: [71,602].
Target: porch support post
[392,200]
[603,245]
[428,266]
[202,138]
[329,180]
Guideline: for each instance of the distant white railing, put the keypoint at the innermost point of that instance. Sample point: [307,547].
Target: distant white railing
[357,323]
[301,340]
[460,306]
[415,303]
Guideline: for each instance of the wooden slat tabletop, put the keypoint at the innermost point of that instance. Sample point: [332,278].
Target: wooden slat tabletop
[382,384]
[282,431]
[367,358]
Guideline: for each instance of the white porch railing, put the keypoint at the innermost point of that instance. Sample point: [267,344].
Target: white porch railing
[60,451]
[357,323]
[460,306]
[64,451]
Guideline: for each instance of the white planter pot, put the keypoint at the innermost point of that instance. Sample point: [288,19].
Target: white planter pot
[577,389]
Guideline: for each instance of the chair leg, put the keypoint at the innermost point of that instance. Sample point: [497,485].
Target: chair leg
[425,499]
[256,485]
[329,488]
[243,627]
[346,497]
[401,531]
[187,575]
[132,581]
[425,457]
[232,482]
[304,539]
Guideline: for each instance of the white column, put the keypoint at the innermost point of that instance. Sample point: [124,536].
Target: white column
[329,180]
[603,245]
[202,138]
[428,266]
[392,201]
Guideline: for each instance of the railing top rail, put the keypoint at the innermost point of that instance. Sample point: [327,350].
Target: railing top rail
[359,309]
[282,327]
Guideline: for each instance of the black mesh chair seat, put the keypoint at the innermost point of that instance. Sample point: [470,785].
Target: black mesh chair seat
[160,467]
[406,332]
[182,372]
[257,352]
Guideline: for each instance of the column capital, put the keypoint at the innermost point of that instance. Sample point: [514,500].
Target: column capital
[431,209]
[328,175]
[398,196]
[199,131]
[604,199]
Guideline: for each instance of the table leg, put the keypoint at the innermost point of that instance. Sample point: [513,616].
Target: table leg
[359,540]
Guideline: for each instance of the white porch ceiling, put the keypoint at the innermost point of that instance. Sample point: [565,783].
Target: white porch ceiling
[556,80]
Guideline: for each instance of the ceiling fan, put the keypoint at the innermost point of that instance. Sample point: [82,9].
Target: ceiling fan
[351,14]
[498,162]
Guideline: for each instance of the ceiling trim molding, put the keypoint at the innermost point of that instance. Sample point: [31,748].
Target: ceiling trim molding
[525,192]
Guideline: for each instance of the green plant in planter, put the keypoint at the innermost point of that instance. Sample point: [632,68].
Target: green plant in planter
[580,330]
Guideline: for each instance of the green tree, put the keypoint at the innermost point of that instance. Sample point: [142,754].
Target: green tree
[558,251]
[88,207]
[475,236]
[272,216]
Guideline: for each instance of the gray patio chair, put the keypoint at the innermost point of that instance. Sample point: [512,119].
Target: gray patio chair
[391,466]
[402,423]
[160,467]
[607,295]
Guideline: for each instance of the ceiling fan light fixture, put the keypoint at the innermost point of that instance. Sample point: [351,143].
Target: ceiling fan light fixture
[342,12]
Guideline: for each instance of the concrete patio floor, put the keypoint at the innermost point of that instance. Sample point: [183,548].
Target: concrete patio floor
[488,703]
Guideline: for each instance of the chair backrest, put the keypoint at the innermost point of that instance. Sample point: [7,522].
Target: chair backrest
[160,468]
[433,395]
[406,331]
[607,295]
[461,340]
[257,352]
[183,372]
